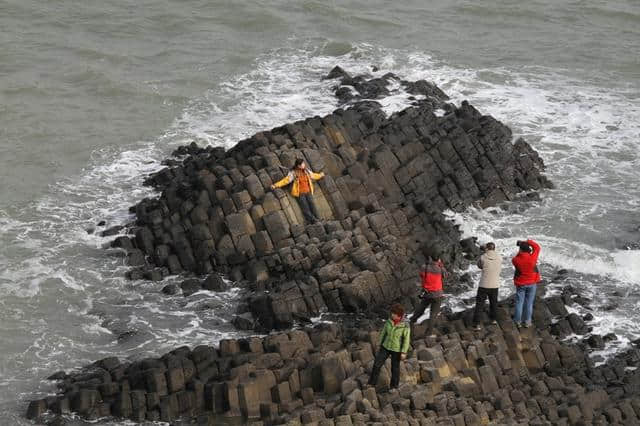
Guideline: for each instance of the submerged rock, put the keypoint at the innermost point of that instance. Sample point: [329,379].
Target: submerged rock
[171,289]
[114,230]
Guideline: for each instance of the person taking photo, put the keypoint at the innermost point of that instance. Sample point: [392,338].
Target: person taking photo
[525,278]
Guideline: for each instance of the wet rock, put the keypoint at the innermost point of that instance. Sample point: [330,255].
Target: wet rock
[124,243]
[60,375]
[609,307]
[471,247]
[577,324]
[36,409]
[136,257]
[595,341]
[126,335]
[114,230]
[214,282]
[243,321]
[337,72]
[171,289]
[190,286]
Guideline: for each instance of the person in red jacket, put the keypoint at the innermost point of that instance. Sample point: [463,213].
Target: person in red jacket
[526,278]
[432,294]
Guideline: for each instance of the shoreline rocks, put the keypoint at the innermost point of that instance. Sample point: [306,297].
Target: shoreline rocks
[318,375]
[388,181]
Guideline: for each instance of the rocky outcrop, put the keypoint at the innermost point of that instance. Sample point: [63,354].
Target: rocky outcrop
[500,375]
[388,180]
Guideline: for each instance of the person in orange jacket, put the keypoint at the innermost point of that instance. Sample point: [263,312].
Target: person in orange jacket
[302,188]
[525,278]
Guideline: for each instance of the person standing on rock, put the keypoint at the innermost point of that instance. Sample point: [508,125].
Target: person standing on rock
[432,294]
[394,342]
[491,264]
[302,188]
[525,278]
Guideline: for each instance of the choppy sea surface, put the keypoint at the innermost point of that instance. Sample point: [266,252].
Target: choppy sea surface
[94,96]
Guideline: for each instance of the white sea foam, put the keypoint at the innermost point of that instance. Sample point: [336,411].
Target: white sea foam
[627,264]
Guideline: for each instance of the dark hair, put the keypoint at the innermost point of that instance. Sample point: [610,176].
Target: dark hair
[435,253]
[297,163]
[524,246]
[490,246]
[397,309]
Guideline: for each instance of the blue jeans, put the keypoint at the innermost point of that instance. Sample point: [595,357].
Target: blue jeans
[525,295]
[308,207]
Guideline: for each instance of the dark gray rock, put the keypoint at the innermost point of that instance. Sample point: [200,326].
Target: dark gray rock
[114,230]
[36,409]
[190,286]
[214,282]
[171,289]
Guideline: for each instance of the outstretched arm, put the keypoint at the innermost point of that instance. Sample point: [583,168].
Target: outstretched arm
[316,176]
[284,181]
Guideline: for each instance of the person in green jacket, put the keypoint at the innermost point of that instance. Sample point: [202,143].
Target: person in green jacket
[394,341]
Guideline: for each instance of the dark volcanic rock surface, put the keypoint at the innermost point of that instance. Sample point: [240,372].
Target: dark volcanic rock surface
[388,180]
[499,375]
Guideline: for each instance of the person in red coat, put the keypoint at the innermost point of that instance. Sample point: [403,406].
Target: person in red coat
[525,278]
[431,276]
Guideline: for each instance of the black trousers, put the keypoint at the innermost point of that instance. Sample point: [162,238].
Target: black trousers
[308,207]
[484,293]
[381,357]
[434,310]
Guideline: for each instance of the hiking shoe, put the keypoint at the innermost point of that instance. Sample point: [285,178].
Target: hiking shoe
[476,328]
[526,324]
[494,322]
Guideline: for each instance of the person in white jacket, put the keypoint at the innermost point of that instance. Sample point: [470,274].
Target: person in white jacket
[491,264]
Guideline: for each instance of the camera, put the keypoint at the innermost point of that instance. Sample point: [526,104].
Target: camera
[524,246]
